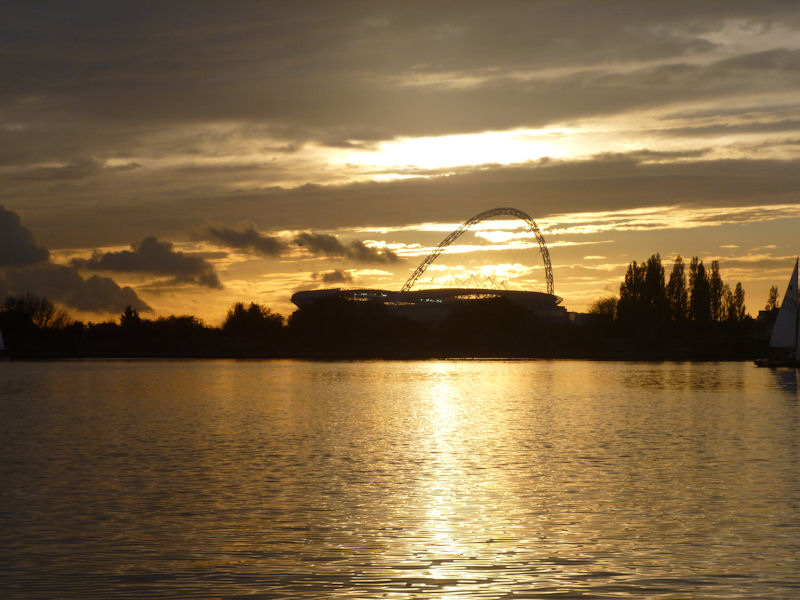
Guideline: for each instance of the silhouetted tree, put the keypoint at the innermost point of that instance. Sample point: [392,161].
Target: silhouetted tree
[130,318]
[26,320]
[715,288]
[607,307]
[655,294]
[693,263]
[603,314]
[632,304]
[252,325]
[772,299]
[738,308]
[699,294]
[42,312]
[16,323]
[179,324]
[734,309]
[677,295]
[726,311]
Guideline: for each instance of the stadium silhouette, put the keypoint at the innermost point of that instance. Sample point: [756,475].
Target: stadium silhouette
[436,303]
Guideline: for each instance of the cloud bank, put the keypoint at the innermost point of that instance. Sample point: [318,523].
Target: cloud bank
[17,245]
[315,244]
[320,244]
[387,69]
[25,268]
[65,285]
[333,277]
[247,239]
[308,118]
[151,256]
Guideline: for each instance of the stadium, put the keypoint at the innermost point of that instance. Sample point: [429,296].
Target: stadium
[436,303]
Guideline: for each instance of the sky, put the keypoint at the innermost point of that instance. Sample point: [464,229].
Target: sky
[180,157]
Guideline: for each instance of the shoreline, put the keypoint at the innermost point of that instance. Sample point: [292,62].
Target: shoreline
[386,356]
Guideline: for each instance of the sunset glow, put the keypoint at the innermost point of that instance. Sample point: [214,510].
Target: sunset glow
[336,300]
[674,132]
[433,153]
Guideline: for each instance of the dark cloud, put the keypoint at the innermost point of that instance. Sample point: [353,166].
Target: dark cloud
[79,169]
[541,188]
[723,128]
[152,256]
[538,101]
[246,238]
[320,244]
[74,170]
[63,284]
[114,83]
[25,268]
[316,244]
[119,120]
[332,277]
[384,69]
[17,245]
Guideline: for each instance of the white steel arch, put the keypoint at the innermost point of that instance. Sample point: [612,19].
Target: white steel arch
[488,214]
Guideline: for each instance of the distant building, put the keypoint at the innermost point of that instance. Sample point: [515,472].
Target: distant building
[436,304]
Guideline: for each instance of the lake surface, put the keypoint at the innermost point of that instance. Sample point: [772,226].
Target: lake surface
[429,479]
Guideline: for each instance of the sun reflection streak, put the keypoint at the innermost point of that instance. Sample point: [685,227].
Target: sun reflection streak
[449,479]
[445,428]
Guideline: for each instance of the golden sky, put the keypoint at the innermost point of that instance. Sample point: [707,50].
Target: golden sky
[183,159]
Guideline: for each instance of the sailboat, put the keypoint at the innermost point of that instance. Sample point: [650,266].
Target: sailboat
[783,348]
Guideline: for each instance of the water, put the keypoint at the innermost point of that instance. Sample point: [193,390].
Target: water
[463,479]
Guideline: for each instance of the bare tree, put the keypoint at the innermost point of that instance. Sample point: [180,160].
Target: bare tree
[41,311]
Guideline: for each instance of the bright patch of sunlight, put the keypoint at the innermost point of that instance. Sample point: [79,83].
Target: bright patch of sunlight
[499,237]
[490,147]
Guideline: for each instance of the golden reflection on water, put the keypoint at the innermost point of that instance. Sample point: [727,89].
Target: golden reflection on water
[434,479]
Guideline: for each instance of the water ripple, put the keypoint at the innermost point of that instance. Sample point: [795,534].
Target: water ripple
[471,479]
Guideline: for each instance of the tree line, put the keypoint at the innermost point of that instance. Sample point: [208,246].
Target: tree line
[688,315]
[33,325]
[647,300]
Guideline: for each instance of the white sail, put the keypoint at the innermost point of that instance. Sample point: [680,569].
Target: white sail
[784,333]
